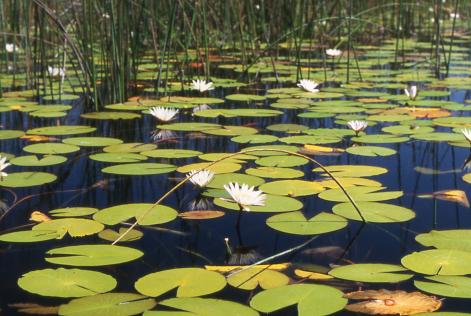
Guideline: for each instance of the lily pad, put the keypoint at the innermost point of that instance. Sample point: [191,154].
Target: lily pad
[312,299]
[140,169]
[439,262]
[187,280]
[171,153]
[374,212]
[371,273]
[75,227]
[155,214]
[35,161]
[192,306]
[292,188]
[459,239]
[371,151]
[66,282]
[92,141]
[281,161]
[92,255]
[26,236]
[251,278]
[353,171]
[61,130]
[446,285]
[118,157]
[275,172]
[51,148]
[296,223]
[129,148]
[360,194]
[220,180]
[10,134]
[110,116]
[73,211]
[26,179]
[273,204]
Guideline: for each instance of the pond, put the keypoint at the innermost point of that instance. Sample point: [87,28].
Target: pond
[327,181]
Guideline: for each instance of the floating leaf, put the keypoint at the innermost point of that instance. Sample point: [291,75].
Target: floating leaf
[457,196]
[92,141]
[61,130]
[296,223]
[189,127]
[384,302]
[352,171]
[275,172]
[439,262]
[66,282]
[26,236]
[254,139]
[10,134]
[129,148]
[51,148]
[281,161]
[92,255]
[203,307]
[370,151]
[449,286]
[73,211]
[360,194]
[312,275]
[220,180]
[140,169]
[459,239]
[75,227]
[171,153]
[108,304]
[273,204]
[118,157]
[112,235]
[110,116]
[217,168]
[35,161]
[251,278]
[187,280]
[312,299]
[371,273]
[155,214]
[26,179]
[374,212]
[292,187]
[380,139]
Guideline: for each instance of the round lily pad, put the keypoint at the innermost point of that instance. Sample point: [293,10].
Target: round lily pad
[73,211]
[110,116]
[380,139]
[61,130]
[129,148]
[439,262]
[371,151]
[371,273]
[92,141]
[118,157]
[296,223]
[360,194]
[292,187]
[217,168]
[446,285]
[254,139]
[281,161]
[204,307]
[273,204]
[92,255]
[220,180]
[66,282]
[139,169]
[353,171]
[26,236]
[374,212]
[75,227]
[51,148]
[35,161]
[154,214]
[26,179]
[275,172]
[10,134]
[459,239]
[171,153]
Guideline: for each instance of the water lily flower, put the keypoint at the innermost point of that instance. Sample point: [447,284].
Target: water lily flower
[333,52]
[163,114]
[467,134]
[201,85]
[200,178]
[411,92]
[10,48]
[3,165]
[308,85]
[357,126]
[56,72]
[245,196]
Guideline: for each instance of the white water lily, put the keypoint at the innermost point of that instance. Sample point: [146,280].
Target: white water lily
[201,85]
[411,92]
[357,126]
[10,48]
[200,178]
[163,114]
[55,71]
[467,133]
[308,85]
[3,165]
[245,196]
[333,52]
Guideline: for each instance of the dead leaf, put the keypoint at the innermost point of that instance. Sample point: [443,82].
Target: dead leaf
[457,196]
[38,138]
[229,268]
[39,217]
[384,302]
[320,150]
[312,275]
[201,214]
[372,100]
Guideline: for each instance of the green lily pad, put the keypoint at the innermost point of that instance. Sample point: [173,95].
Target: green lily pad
[118,157]
[439,137]
[139,169]
[75,227]
[217,168]
[66,282]
[380,139]
[439,262]
[189,127]
[26,179]
[292,188]
[273,204]
[10,134]
[281,161]
[61,130]
[92,255]
[26,236]
[310,139]
[171,153]
[231,131]
[275,172]
[360,194]
[73,211]
[35,161]
[374,212]
[352,171]
[371,151]
[407,130]
[287,128]
[251,278]
[112,235]
[110,116]
[371,273]
[254,139]
[312,299]
[92,141]
[446,285]
[459,239]
[220,180]
[270,150]
[129,148]
[296,223]
[187,280]
[245,97]
[194,306]
[108,304]
[156,214]
[51,148]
